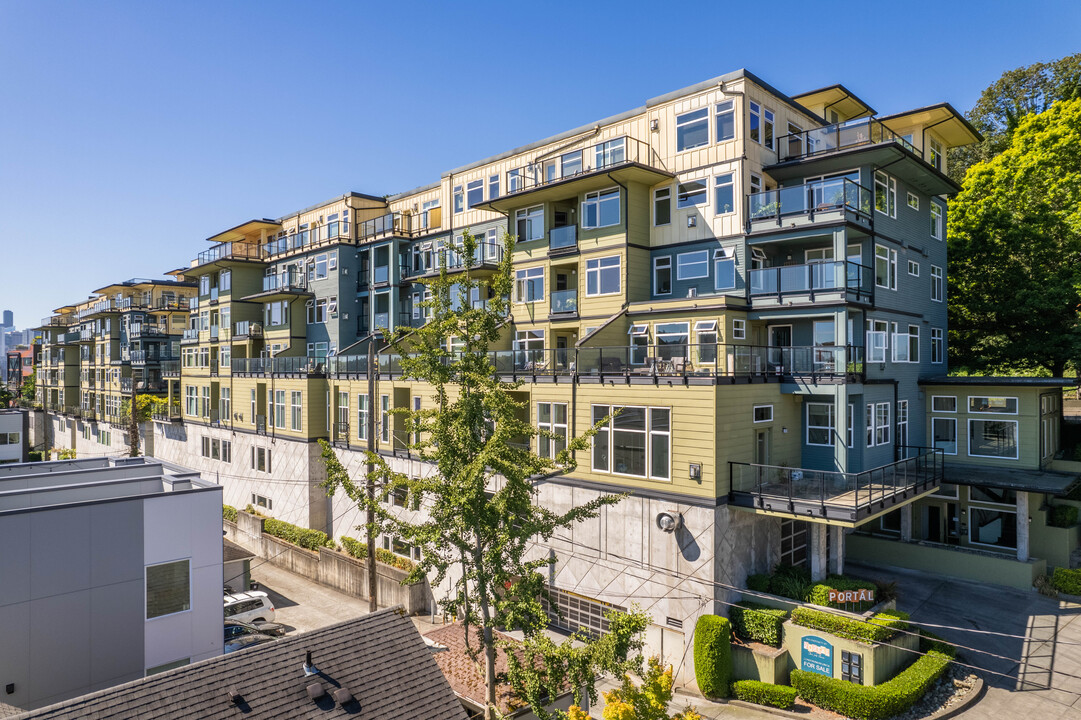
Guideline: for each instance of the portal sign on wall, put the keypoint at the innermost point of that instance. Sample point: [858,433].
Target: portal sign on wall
[816,656]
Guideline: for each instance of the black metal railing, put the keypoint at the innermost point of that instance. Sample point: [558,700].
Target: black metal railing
[599,157]
[230,251]
[782,488]
[840,136]
[833,275]
[824,197]
[279,366]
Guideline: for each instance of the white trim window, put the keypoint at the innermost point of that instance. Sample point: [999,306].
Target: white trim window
[938,346]
[529,223]
[900,344]
[760,129]
[763,413]
[551,418]
[943,403]
[296,407]
[639,343]
[936,220]
[692,129]
[885,194]
[459,199]
[902,423]
[877,330]
[820,424]
[739,329]
[935,153]
[662,275]
[662,206]
[913,201]
[913,268]
[609,153]
[474,192]
[724,270]
[724,121]
[362,417]
[984,405]
[705,332]
[529,285]
[691,194]
[885,267]
[944,434]
[992,439]
[601,209]
[724,194]
[913,343]
[850,430]
[692,265]
[938,291]
[603,276]
[636,442]
[882,423]
[493,190]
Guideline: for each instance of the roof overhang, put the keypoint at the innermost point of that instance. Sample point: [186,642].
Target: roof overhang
[1043,481]
[949,124]
[251,230]
[1003,381]
[837,97]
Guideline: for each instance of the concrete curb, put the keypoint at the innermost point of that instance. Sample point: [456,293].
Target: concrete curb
[768,709]
[971,699]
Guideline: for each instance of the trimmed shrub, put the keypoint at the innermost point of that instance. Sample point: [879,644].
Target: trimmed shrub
[791,582]
[359,550]
[228,512]
[1067,581]
[1063,516]
[820,592]
[758,582]
[761,623]
[305,538]
[879,628]
[763,693]
[35,456]
[929,641]
[713,655]
[866,702]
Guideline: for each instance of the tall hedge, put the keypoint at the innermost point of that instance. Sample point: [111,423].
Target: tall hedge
[305,538]
[761,623]
[713,655]
[872,702]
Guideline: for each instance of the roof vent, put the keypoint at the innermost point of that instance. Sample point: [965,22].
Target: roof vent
[309,669]
[343,696]
[315,691]
[234,696]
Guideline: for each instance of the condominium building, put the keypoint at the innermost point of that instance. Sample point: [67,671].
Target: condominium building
[756,282]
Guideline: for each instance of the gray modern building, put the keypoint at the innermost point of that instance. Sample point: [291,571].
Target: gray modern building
[111,570]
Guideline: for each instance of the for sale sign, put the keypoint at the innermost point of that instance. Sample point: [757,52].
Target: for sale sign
[816,656]
[851,596]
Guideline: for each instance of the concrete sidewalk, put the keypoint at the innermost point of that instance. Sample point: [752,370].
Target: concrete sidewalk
[1042,665]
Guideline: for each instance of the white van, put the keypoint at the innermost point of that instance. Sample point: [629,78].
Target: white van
[248,607]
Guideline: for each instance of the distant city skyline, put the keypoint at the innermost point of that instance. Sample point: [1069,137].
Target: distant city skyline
[143,128]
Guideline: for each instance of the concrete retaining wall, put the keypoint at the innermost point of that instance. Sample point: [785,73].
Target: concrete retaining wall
[766,664]
[330,567]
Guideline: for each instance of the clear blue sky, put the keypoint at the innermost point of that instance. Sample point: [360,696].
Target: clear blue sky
[131,131]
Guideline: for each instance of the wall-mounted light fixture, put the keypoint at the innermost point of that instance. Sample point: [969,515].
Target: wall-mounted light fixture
[669,522]
[654,124]
[695,471]
[692,221]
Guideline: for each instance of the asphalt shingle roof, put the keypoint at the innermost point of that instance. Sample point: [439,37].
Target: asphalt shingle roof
[381,659]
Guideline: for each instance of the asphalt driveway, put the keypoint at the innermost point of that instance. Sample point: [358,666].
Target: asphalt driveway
[1042,665]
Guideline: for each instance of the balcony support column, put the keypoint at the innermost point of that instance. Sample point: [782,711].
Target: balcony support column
[819,558]
[840,429]
[837,550]
[840,252]
[1022,526]
[906,522]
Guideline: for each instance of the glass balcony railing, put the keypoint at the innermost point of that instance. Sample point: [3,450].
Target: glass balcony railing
[248,328]
[602,156]
[812,277]
[229,250]
[564,301]
[190,335]
[817,197]
[563,238]
[840,136]
[381,274]
[313,365]
[285,281]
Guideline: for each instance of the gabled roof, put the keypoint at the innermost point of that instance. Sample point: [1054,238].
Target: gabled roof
[380,658]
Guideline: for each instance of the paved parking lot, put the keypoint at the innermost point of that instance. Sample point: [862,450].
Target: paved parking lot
[303,604]
[1042,664]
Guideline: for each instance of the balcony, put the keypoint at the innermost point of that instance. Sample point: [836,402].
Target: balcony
[286,281]
[392,224]
[247,329]
[341,433]
[486,256]
[70,338]
[594,167]
[189,336]
[103,305]
[140,330]
[172,303]
[170,413]
[229,251]
[125,385]
[840,136]
[346,365]
[87,335]
[845,498]
[841,280]
[57,321]
[806,205]
[563,240]
[214,332]
[153,386]
[564,302]
[298,366]
[170,368]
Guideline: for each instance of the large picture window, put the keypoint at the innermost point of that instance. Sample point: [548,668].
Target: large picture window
[168,588]
[691,193]
[944,434]
[672,339]
[992,438]
[601,208]
[635,442]
[996,528]
[692,265]
[692,129]
[529,285]
[551,417]
[603,276]
[997,405]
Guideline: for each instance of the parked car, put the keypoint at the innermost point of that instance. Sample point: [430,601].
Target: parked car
[236,628]
[243,642]
[249,607]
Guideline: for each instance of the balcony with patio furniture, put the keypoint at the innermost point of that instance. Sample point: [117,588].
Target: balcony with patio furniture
[809,205]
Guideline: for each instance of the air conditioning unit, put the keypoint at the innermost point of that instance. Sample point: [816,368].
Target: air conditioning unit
[692,292]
